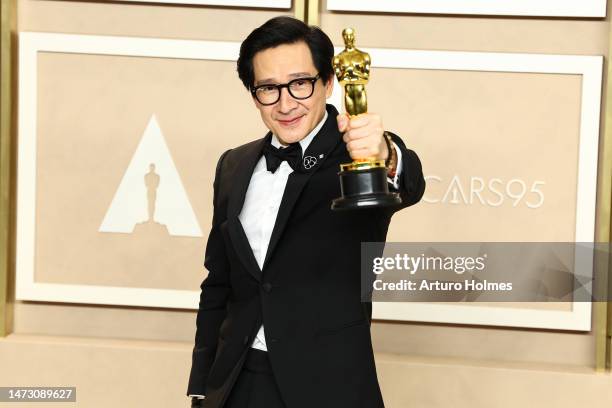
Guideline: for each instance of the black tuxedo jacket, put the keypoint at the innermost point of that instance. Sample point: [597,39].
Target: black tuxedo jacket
[307,294]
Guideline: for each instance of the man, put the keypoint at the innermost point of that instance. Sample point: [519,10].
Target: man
[280,322]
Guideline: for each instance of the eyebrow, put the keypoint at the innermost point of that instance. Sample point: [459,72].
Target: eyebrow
[295,75]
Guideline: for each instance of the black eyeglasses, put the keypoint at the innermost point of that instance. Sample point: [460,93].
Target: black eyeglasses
[300,88]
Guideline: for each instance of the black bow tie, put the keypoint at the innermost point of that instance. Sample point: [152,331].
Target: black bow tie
[275,156]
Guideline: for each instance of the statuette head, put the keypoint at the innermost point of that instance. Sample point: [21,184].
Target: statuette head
[349,36]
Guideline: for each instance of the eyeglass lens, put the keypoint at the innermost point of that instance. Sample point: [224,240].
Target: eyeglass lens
[298,88]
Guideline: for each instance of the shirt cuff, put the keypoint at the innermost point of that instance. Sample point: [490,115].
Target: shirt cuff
[395,180]
[197,396]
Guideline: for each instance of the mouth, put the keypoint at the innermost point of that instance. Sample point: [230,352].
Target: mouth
[290,122]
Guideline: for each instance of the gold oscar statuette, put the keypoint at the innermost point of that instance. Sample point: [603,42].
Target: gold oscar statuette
[363,182]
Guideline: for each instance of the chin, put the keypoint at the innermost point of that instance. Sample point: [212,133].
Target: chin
[291,137]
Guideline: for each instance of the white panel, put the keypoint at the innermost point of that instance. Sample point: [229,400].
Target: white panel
[561,8]
[278,4]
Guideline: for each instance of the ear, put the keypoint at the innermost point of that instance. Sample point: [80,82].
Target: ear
[329,87]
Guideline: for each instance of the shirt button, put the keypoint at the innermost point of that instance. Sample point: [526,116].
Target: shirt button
[267,287]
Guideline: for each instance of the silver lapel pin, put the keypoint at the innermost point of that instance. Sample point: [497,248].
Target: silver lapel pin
[309,162]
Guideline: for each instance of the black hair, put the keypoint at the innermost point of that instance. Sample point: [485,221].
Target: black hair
[285,30]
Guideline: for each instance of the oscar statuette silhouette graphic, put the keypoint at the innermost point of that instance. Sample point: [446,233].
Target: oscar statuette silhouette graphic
[152,182]
[151,226]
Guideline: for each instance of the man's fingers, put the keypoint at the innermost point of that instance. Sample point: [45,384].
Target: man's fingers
[356,145]
[362,135]
[346,123]
[360,148]
[343,122]
[360,154]
[359,121]
[356,134]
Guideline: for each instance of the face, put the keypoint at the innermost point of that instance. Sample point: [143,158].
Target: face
[290,119]
[348,35]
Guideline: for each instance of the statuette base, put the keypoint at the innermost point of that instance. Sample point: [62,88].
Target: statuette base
[364,189]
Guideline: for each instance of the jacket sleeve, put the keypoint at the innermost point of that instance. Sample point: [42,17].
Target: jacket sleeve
[215,290]
[411,180]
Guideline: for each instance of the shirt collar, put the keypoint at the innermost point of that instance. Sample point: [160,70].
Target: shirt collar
[305,141]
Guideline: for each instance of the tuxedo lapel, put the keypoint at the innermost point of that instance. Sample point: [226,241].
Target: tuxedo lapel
[239,186]
[319,149]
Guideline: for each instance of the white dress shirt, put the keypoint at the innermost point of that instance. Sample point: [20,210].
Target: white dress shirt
[262,202]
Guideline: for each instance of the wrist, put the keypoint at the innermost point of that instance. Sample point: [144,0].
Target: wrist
[391,159]
[385,149]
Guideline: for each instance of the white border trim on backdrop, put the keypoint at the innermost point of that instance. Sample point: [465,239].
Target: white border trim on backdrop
[271,4]
[553,8]
[30,44]
[590,68]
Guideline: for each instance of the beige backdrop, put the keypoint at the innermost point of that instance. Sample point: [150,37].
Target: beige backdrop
[485,125]
[202,110]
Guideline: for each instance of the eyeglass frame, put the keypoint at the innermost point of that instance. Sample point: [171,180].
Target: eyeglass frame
[287,85]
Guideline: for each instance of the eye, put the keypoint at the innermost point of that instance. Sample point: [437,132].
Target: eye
[299,84]
[266,89]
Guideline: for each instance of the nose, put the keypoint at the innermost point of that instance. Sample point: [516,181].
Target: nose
[286,102]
